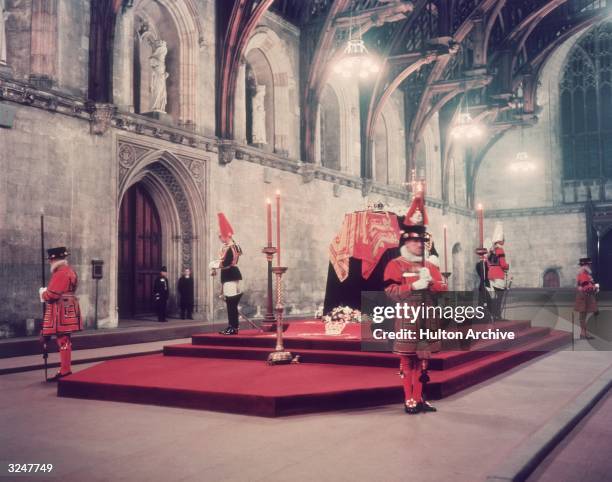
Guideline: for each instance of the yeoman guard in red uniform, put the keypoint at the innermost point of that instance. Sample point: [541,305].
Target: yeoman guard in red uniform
[411,279]
[62,311]
[586,289]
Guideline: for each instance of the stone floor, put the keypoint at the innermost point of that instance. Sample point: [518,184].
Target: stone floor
[472,433]
[585,452]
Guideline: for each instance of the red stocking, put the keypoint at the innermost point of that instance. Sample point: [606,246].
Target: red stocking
[408,371]
[65,349]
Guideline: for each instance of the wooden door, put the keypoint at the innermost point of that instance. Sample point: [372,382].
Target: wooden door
[140,244]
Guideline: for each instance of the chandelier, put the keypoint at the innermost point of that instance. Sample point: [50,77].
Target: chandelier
[466,127]
[356,62]
[522,163]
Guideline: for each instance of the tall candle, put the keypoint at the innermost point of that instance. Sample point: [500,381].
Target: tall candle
[445,252]
[481,225]
[269,221]
[278,223]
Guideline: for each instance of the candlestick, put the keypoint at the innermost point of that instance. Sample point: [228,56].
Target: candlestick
[480,225]
[269,220]
[445,252]
[278,223]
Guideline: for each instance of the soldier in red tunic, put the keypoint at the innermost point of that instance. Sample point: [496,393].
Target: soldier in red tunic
[585,295]
[497,272]
[411,279]
[227,263]
[62,311]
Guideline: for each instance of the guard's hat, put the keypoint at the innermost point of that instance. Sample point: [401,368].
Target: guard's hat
[415,221]
[57,253]
[584,261]
[225,228]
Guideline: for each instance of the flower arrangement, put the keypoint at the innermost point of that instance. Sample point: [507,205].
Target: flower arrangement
[339,317]
[345,314]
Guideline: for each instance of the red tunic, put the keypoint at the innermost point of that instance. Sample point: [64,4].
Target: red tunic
[585,295]
[62,311]
[399,288]
[497,271]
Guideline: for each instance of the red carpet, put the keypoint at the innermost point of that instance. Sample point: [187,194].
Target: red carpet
[229,374]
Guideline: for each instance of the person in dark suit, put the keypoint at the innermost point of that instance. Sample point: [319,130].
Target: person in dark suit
[161,292]
[185,289]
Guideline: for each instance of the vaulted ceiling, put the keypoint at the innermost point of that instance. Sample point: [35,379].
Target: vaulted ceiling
[436,51]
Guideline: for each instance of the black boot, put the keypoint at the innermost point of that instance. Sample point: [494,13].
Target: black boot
[229,331]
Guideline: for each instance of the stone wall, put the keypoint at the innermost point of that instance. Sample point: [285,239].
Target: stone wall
[51,164]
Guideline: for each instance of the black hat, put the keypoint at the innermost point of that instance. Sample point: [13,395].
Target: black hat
[584,261]
[57,253]
[163,268]
[411,231]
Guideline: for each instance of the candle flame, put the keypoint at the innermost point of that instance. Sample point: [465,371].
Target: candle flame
[278,193]
[268,201]
[479,207]
[444,226]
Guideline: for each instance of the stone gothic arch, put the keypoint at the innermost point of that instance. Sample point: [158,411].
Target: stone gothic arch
[176,184]
[347,134]
[176,22]
[284,86]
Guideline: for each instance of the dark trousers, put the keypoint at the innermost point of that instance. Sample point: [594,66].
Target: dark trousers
[160,307]
[498,302]
[187,311]
[232,310]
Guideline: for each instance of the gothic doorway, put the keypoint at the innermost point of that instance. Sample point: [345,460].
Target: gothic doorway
[140,252]
[604,267]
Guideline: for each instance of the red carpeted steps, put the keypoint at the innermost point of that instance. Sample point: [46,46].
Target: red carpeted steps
[342,352]
[228,373]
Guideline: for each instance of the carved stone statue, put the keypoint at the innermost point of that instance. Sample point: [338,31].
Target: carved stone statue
[259,116]
[159,95]
[3,16]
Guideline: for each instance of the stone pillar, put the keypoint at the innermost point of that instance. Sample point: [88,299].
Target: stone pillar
[2,35]
[43,53]
[240,105]
[123,61]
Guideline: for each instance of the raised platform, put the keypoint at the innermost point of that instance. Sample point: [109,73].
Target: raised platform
[228,373]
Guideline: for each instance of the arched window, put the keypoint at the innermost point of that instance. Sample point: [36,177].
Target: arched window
[551,278]
[260,100]
[586,106]
[330,132]
[381,151]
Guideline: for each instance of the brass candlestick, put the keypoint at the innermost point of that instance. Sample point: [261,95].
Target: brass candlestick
[269,318]
[280,356]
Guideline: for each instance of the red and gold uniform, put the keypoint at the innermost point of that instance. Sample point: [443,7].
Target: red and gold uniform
[62,311]
[498,267]
[411,279]
[400,275]
[586,289]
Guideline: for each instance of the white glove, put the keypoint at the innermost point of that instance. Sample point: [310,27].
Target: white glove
[214,265]
[420,284]
[596,287]
[424,274]
[40,294]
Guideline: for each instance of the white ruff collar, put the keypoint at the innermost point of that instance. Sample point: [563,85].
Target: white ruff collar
[57,264]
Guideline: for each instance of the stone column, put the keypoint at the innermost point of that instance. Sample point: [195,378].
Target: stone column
[2,34]
[240,105]
[123,61]
[43,54]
